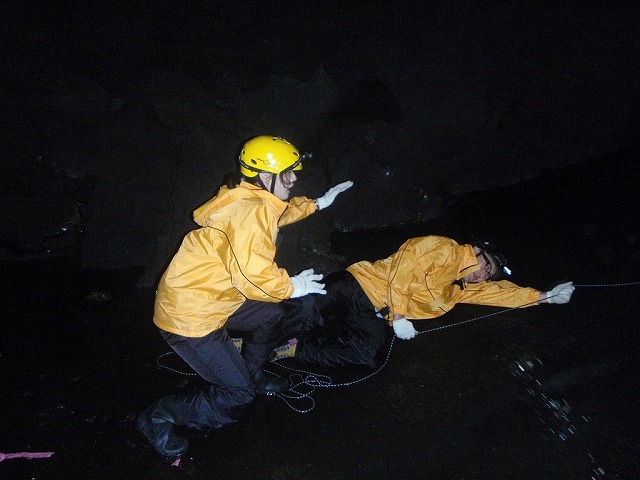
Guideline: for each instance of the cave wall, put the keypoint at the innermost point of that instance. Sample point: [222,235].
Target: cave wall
[118,119]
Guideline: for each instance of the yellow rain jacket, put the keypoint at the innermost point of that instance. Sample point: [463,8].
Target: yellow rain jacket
[229,259]
[418,280]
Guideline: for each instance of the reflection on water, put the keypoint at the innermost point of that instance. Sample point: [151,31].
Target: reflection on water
[557,418]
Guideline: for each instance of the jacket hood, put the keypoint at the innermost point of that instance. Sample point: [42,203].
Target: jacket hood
[468,261]
[226,196]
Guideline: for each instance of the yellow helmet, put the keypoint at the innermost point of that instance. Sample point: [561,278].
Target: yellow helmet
[268,154]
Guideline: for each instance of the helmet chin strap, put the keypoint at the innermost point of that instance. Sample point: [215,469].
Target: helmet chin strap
[273,183]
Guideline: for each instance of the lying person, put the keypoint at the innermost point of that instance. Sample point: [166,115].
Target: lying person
[424,279]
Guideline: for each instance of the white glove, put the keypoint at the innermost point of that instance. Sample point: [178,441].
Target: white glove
[328,198]
[305,282]
[561,293]
[403,328]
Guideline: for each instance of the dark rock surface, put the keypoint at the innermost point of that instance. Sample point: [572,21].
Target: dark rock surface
[118,118]
[549,392]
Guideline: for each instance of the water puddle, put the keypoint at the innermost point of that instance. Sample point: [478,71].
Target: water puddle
[559,419]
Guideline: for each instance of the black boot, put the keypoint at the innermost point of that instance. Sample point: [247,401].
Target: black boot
[156,424]
[268,385]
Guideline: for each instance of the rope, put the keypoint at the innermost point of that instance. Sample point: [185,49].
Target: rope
[304,383]
[609,285]
[312,381]
[174,370]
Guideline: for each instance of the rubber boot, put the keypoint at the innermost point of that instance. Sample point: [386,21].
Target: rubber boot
[156,424]
[267,385]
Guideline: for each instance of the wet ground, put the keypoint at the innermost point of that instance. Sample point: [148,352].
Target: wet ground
[549,392]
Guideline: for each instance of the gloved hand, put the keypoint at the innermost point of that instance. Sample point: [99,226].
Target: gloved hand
[305,282]
[403,328]
[561,293]
[328,198]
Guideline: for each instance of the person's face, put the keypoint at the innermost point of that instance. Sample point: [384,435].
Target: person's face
[284,183]
[485,272]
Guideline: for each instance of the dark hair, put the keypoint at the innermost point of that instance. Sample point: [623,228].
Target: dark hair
[233,179]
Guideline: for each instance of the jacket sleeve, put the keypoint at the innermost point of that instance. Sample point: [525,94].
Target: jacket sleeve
[249,257]
[499,294]
[298,208]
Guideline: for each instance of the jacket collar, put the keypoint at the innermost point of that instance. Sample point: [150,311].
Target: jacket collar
[226,195]
[278,205]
